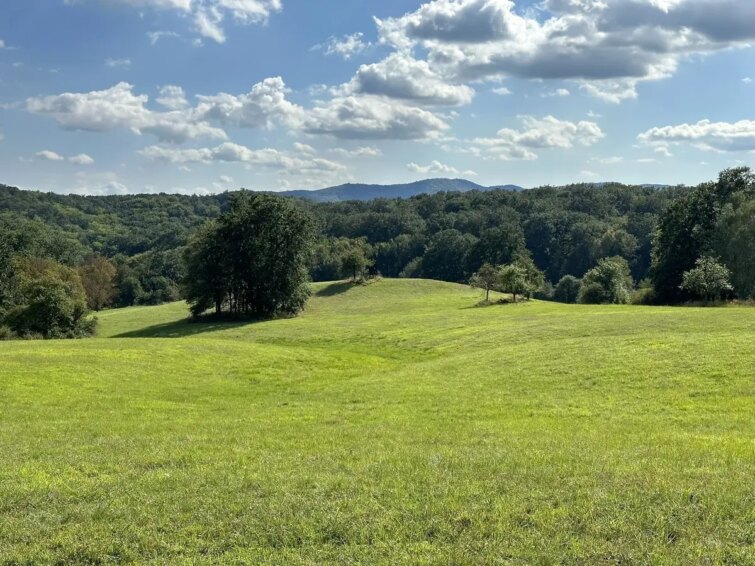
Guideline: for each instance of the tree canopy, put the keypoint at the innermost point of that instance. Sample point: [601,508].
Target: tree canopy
[252,260]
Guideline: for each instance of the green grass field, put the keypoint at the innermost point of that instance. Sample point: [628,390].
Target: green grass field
[395,423]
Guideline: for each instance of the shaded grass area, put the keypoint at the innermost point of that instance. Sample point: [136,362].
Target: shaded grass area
[388,424]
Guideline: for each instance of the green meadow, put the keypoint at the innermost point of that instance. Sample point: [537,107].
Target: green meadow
[393,423]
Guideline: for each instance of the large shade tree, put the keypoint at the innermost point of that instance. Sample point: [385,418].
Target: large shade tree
[253,260]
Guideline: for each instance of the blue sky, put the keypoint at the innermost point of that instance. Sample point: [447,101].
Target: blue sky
[198,96]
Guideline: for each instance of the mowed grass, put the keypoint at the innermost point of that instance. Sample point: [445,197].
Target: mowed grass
[395,423]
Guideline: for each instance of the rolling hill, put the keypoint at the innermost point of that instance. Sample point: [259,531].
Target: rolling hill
[354,191]
[395,423]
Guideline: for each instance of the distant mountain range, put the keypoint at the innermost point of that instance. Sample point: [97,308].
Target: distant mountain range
[352,191]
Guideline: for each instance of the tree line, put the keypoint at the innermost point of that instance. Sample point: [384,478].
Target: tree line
[589,243]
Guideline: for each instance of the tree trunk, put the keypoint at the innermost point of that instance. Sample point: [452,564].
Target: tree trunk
[487,294]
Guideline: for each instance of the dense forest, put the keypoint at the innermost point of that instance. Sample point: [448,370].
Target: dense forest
[444,236]
[136,245]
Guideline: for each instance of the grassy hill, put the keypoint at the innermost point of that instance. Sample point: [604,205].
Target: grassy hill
[396,423]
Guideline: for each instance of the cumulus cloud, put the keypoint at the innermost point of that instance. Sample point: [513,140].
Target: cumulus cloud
[209,16]
[235,153]
[536,134]
[47,155]
[119,108]
[707,135]
[81,159]
[436,167]
[346,47]
[264,106]
[372,118]
[172,97]
[291,169]
[304,148]
[403,77]
[609,46]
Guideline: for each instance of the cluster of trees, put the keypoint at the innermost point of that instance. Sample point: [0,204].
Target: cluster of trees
[41,298]
[520,278]
[610,282]
[252,261]
[705,242]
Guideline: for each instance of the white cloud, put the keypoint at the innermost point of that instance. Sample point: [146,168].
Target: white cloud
[2,44]
[209,15]
[347,46]
[372,117]
[367,151]
[663,150]
[226,179]
[608,46]
[707,135]
[614,160]
[304,148]
[235,153]
[747,80]
[81,159]
[403,77]
[586,174]
[436,167]
[172,97]
[501,91]
[263,107]
[292,169]
[544,133]
[118,63]
[47,155]
[558,93]
[107,189]
[98,183]
[155,36]
[119,108]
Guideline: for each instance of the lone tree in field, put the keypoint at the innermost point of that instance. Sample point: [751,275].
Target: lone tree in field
[535,279]
[356,260]
[513,279]
[608,283]
[487,278]
[709,280]
[253,260]
[98,277]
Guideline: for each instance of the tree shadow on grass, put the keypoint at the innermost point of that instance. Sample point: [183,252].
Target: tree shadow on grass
[499,303]
[334,289]
[186,327]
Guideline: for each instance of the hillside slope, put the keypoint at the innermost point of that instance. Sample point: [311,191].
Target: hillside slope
[363,192]
[396,423]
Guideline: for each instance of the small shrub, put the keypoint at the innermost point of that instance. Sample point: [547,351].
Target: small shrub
[643,296]
[567,290]
[6,333]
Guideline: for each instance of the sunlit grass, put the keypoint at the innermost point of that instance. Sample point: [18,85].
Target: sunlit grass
[394,423]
